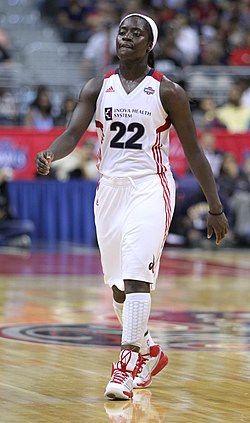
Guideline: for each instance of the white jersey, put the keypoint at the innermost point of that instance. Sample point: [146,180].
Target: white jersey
[133,128]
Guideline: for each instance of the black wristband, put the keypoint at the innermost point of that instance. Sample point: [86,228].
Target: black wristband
[215,214]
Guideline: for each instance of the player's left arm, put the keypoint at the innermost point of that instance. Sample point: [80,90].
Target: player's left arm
[176,104]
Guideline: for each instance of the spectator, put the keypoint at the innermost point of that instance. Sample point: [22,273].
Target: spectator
[71,19]
[87,168]
[204,13]
[100,50]
[246,166]
[205,115]
[67,109]
[245,98]
[81,163]
[168,49]
[212,54]
[9,114]
[39,114]
[214,156]
[13,232]
[187,39]
[233,115]
[240,56]
[5,55]
[234,184]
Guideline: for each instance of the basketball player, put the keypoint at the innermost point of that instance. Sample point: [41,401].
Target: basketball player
[134,107]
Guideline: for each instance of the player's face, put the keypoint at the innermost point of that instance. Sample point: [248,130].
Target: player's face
[133,39]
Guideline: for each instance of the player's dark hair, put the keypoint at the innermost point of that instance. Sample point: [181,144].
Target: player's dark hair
[151,57]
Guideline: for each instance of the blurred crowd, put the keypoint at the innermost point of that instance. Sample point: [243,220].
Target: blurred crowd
[233,181]
[208,32]
[191,32]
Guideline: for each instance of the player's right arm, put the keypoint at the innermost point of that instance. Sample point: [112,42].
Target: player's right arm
[79,123]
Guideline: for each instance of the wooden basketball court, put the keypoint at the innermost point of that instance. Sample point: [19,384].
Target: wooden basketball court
[59,335]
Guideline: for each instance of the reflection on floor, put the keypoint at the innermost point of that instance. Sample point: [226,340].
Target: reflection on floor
[59,335]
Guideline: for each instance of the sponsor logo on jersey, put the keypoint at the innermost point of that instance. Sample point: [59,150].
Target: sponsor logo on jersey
[149,90]
[108,111]
[110,90]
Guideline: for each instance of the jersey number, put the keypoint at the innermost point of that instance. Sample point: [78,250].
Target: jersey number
[120,128]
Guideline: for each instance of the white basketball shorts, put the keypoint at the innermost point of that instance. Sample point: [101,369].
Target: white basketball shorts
[132,219]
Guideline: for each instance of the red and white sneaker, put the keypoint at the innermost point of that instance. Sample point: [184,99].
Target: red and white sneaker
[149,365]
[123,372]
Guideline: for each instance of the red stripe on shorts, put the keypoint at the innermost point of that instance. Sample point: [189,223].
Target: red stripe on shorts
[161,169]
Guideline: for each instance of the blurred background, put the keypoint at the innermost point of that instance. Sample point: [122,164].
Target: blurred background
[50,48]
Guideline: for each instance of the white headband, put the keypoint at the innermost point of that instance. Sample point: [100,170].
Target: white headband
[151,22]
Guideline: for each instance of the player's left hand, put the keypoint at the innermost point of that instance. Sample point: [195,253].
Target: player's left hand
[219,225]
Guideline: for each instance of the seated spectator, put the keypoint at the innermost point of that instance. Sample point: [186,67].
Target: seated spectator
[67,109]
[5,55]
[205,115]
[214,156]
[234,184]
[81,163]
[9,113]
[190,217]
[212,54]
[168,49]
[87,168]
[39,115]
[240,55]
[234,115]
[13,231]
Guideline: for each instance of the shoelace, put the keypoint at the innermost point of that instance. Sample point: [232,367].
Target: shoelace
[120,374]
[141,361]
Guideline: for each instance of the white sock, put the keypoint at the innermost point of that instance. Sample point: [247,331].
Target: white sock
[136,310]
[118,307]
[147,342]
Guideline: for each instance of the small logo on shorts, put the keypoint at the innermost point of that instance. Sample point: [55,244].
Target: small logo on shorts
[151,265]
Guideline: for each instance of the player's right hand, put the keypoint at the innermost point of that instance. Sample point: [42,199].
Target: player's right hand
[43,161]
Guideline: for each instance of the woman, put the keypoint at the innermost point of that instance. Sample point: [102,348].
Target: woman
[135,106]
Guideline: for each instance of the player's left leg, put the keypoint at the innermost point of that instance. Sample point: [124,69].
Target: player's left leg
[151,359]
[135,316]
[147,341]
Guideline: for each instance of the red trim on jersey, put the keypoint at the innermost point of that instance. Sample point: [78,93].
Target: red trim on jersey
[99,125]
[161,171]
[166,197]
[164,127]
[110,73]
[157,75]
[156,149]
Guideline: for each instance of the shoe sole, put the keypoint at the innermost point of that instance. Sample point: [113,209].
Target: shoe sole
[118,395]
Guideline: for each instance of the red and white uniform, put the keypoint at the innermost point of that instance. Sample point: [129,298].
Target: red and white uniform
[133,128]
[136,194]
